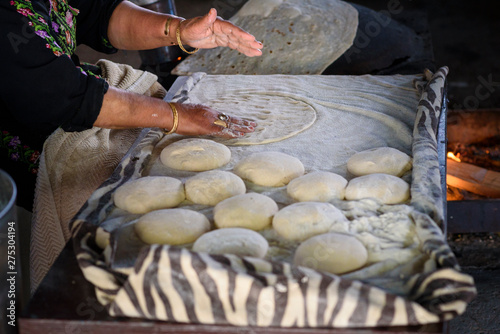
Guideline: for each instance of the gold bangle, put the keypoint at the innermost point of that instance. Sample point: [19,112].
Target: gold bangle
[178,35]
[167,26]
[175,116]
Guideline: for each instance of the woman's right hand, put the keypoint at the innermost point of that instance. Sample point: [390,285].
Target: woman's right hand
[197,119]
[122,109]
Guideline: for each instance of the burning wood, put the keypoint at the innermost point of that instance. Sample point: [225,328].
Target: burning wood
[472,178]
[485,153]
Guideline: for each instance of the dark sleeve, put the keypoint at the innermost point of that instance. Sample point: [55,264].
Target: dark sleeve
[92,23]
[40,89]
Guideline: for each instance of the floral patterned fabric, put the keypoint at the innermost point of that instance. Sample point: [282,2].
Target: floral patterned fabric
[43,85]
[19,152]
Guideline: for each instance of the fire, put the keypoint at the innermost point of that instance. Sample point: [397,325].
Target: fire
[452,156]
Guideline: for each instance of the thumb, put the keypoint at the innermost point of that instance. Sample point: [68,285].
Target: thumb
[210,17]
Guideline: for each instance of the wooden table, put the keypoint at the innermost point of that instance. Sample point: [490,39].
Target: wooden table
[65,302]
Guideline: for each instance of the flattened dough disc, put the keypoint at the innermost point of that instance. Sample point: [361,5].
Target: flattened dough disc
[299,37]
[278,117]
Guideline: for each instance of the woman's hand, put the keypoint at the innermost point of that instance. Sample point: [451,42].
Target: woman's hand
[210,31]
[197,119]
[122,109]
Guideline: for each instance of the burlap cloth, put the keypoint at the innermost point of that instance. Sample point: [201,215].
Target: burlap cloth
[73,165]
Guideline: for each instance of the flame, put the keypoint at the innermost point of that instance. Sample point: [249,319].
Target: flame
[452,156]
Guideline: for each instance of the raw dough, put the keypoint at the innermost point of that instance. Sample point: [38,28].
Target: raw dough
[252,210]
[303,220]
[300,37]
[278,117]
[269,169]
[317,186]
[385,160]
[335,253]
[171,226]
[149,193]
[211,187]
[388,189]
[195,155]
[237,241]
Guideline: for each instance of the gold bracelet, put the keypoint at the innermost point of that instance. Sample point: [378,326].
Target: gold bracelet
[175,115]
[178,35]
[167,26]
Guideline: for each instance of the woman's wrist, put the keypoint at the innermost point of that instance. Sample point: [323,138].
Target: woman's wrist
[175,119]
[171,25]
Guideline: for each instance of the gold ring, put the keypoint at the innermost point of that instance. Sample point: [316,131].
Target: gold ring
[220,123]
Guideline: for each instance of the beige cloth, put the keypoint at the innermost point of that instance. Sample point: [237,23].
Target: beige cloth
[73,165]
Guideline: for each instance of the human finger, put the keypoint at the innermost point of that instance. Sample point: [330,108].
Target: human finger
[243,122]
[237,38]
[232,126]
[245,49]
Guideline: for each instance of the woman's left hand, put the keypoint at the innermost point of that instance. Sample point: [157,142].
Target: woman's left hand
[210,31]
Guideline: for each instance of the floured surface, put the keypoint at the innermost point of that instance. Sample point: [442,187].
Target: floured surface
[299,37]
[353,114]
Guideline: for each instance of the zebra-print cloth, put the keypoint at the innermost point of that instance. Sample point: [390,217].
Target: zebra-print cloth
[175,284]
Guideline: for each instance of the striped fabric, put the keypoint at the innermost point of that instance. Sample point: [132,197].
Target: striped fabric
[176,284]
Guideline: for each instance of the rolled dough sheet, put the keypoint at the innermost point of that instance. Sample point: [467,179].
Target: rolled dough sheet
[299,37]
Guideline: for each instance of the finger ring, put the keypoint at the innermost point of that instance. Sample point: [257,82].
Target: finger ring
[220,122]
[223,117]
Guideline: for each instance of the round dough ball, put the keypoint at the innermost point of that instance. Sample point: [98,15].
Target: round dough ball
[269,169]
[303,220]
[317,186]
[171,226]
[195,155]
[385,160]
[211,187]
[253,211]
[388,189]
[149,193]
[335,253]
[237,241]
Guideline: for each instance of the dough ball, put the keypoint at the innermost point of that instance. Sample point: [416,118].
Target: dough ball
[195,155]
[317,187]
[269,169]
[388,189]
[385,160]
[149,193]
[211,187]
[237,241]
[253,211]
[171,226]
[303,220]
[335,253]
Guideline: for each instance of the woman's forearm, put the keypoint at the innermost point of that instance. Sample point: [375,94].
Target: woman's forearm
[122,109]
[134,28]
